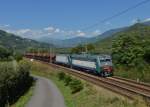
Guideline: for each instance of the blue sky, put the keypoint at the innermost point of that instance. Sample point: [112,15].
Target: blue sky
[66,18]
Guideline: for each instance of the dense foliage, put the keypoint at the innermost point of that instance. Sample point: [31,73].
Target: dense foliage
[83,48]
[8,55]
[5,54]
[132,48]
[74,84]
[14,81]
[39,50]
[131,53]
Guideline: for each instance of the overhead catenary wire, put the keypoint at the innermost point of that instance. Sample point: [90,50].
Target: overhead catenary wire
[116,15]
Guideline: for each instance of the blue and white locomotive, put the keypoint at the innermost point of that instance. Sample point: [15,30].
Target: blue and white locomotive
[96,64]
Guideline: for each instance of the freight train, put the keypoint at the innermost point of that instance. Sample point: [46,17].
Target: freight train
[100,65]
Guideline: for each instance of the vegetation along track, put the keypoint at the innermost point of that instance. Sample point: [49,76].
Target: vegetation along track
[125,87]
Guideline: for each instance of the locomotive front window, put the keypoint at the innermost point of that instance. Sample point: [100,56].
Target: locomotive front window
[106,62]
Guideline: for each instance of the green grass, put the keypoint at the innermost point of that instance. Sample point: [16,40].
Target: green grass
[134,73]
[22,101]
[90,96]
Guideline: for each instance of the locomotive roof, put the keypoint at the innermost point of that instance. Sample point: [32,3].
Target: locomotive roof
[91,56]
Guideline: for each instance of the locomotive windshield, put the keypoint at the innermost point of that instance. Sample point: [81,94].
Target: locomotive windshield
[106,62]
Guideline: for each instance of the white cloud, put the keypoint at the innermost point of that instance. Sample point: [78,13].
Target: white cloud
[4,26]
[97,32]
[80,33]
[134,21]
[138,20]
[49,28]
[7,25]
[146,20]
[57,30]
[50,31]
[23,31]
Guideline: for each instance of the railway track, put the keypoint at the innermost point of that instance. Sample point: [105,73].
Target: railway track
[125,87]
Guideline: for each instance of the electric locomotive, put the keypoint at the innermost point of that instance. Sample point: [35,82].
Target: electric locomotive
[100,65]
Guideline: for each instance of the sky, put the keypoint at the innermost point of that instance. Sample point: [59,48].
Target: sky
[61,19]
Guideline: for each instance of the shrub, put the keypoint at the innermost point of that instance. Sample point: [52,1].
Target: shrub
[61,75]
[68,79]
[18,56]
[4,53]
[14,81]
[76,86]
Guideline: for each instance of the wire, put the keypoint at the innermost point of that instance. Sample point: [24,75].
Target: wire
[116,15]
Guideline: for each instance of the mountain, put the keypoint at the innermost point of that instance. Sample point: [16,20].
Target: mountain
[108,33]
[83,40]
[147,23]
[49,40]
[12,41]
[105,45]
[75,41]
[72,42]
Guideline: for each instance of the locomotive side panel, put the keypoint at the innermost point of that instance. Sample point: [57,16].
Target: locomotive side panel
[84,63]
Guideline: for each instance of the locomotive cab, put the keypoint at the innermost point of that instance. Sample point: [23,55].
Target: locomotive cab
[106,67]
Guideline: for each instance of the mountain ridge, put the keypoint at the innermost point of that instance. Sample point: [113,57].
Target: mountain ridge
[72,42]
[11,41]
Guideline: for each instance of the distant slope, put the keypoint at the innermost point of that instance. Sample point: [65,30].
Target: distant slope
[147,23]
[109,33]
[15,42]
[105,45]
[49,40]
[72,42]
[65,43]
[75,41]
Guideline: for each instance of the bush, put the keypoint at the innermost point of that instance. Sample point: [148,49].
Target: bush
[18,56]
[76,86]
[4,53]
[68,79]
[14,81]
[61,75]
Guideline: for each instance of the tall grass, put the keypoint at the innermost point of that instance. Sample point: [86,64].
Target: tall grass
[134,73]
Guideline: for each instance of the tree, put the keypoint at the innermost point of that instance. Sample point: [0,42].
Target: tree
[90,47]
[83,48]
[132,47]
[78,49]
[4,53]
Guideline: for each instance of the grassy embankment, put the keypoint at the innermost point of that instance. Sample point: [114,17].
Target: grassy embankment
[90,96]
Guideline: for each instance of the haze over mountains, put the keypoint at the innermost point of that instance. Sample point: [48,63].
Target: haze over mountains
[82,40]
[79,40]
[12,41]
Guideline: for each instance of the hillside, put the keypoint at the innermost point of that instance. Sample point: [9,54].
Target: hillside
[12,41]
[104,45]
[72,42]
[130,50]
